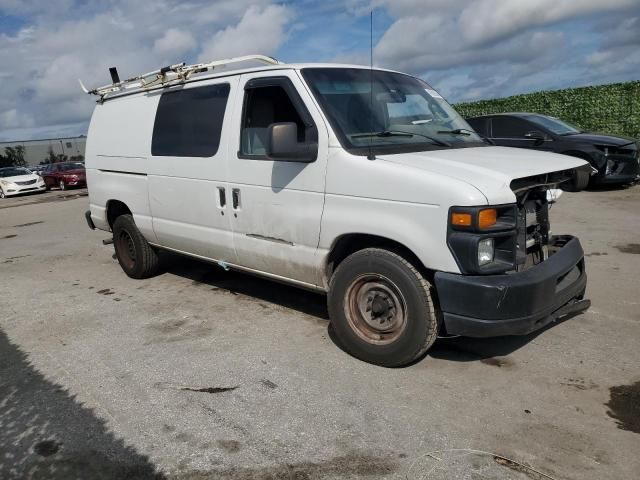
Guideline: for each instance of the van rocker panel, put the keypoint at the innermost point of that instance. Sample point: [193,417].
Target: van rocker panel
[516,303]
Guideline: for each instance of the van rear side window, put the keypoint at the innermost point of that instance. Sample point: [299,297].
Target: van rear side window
[189,122]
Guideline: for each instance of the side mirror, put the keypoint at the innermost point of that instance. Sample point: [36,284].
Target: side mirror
[283,145]
[539,137]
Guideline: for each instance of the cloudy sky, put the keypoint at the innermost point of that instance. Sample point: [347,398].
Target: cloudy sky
[468,49]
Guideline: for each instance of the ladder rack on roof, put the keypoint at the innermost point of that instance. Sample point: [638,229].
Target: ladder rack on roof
[172,74]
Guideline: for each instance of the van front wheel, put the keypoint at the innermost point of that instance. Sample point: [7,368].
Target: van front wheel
[381,308]
[136,257]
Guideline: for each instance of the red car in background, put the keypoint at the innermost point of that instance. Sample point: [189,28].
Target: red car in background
[64,175]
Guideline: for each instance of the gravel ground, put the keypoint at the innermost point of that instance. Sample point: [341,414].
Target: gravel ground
[200,373]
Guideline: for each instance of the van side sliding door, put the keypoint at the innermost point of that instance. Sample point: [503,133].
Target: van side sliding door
[187,170]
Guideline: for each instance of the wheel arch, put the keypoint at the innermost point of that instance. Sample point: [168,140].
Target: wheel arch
[115,208]
[349,243]
[579,154]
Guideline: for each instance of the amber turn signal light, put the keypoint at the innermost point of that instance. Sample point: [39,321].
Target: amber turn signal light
[487,218]
[461,219]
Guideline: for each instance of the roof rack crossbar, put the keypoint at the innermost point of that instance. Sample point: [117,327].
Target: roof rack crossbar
[170,75]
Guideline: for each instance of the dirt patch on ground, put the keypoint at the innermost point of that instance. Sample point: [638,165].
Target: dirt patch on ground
[629,248]
[28,224]
[624,406]
[230,446]
[351,465]
[46,448]
[498,362]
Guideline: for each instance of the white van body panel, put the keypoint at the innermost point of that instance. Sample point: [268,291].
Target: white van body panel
[402,203]
[277,225]
[490,169]
[183,193]
[117,142]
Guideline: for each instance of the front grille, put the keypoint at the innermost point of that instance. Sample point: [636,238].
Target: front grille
[533,231]
[27,182]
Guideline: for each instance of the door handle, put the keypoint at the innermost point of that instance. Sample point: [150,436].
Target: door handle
[235,198]
[222,197]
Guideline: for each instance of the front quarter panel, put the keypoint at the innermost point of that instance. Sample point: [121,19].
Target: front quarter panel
[398,202]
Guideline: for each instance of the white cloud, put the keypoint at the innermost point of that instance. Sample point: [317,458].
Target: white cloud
[466,48]
[12,119]
[501,46]
[259,30]
[56,44]
[174,42]
[488,20]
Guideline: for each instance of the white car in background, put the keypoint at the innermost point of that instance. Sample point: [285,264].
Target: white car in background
[17,180]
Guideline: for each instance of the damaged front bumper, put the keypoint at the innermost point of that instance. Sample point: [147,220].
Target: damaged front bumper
[515,303]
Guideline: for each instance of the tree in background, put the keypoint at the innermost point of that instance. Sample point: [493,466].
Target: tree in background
[53,157]
[14,156]
[20,155]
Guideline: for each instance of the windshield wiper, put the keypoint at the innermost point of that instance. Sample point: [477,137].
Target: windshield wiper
[458,131]
[399,133]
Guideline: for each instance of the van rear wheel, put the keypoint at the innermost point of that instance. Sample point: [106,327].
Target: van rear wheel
[137,258]
[381,308]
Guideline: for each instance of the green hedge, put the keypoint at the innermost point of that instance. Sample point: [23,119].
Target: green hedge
[613,109]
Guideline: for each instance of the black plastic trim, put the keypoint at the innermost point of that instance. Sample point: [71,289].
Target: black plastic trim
[123,172]
[517,303]
[87,216]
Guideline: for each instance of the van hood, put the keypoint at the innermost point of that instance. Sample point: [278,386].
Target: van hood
[490,169]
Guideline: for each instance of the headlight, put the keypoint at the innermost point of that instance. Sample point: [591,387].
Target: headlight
[482,239]
[485,251]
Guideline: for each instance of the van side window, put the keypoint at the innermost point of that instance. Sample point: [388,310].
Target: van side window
[189,122]
[269,102]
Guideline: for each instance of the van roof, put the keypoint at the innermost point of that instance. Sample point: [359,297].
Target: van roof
[220,73]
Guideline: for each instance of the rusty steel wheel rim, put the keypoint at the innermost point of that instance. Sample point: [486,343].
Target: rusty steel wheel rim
[126,249]
[375,309]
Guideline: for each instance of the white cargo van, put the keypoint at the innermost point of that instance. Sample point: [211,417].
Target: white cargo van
[361,183]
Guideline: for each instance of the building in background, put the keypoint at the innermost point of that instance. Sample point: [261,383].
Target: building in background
[38,151]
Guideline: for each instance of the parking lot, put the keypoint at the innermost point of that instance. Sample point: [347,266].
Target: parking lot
[201,373]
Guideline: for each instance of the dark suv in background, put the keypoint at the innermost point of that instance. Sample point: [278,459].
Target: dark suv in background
[615,158]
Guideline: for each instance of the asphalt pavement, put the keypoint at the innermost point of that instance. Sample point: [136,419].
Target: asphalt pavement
[200,373]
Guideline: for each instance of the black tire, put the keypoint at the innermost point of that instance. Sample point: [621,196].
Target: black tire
[397,286]
[61,185]
[579,182]
[137,258]
[2,193]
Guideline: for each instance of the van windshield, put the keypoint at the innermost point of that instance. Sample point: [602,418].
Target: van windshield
[387,112]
